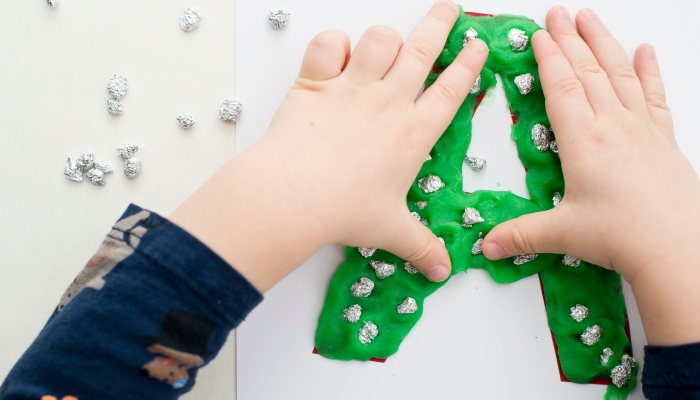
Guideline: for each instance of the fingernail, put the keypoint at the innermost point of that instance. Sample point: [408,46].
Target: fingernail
[589,15]
[493,251]
[447,3]
[477,46]
[562,13]
[438,273]
[650,51]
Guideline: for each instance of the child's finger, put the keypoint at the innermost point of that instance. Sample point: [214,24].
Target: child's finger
[614,60]
[374,54]
[438,105]
[326,56]
[417,245]
[599,90]
[647,67]
[567,104]
[422,48]
[542,232]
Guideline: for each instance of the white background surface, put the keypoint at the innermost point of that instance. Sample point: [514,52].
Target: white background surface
[54,66]
[476,339]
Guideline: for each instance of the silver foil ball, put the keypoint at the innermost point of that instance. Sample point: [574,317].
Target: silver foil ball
[476,163]
[352,314]
[623,372]
[368,332]
[126,151]
[278,19]
[524,258]
[554,146]
[408,306]
[85,161]
[409,268]
[132,167]
[103,167]
[190,20]
[230,110]
[579,312]
[477,248]
[525,83]
[366,252]
[471,217]
[421,204]
[363,288]
[185,121]
[571,261]
[382,269]
[557,198]
[114,106]
[605,357]
[96,177]
[469,35]
[540,136]
[430,183]
[591,335]
[518,39]
[72,171]
[428,158]
[117,86]
[476,87]
[52,3]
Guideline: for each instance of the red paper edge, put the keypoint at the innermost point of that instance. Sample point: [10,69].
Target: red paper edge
[379,360]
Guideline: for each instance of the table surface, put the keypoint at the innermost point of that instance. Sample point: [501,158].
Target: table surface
[54,66]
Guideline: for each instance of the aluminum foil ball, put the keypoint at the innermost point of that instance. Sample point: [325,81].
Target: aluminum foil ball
[96,177]
[117,86]
[185,121]
[132,167]
[230,110]
[278,19]
[114,106]
[190,20]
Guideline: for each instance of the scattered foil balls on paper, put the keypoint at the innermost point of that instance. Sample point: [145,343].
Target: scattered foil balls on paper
[471,217]
[478,245]
[190,20]
[278,19]
[591,335]
[605,357]
[469,35]
[114,106]
[476,87]
[623,372]
[571,261]
[382,269]
[230,110]
[363,288]
[518,39]
[524,258]
[476,163]
[430,183]
[525,83]
[409,268]
[185,121]
[579,312]
[117,86]
[368,332]
[366,252]
[352,314]
[540,136]
[408,306]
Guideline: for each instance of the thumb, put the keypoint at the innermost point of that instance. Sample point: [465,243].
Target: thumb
[417,245]
[532,233]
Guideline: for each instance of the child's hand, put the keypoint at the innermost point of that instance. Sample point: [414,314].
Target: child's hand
[632,199]
[340,155]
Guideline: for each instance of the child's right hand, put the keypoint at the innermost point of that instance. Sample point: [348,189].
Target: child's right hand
[632,200]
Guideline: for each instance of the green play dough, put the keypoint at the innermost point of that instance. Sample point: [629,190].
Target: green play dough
[564,287]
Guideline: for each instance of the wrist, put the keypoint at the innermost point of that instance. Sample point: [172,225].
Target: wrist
[249,216]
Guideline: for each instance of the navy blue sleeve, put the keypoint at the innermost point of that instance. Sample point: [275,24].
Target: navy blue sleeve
[671,372]
[147,311]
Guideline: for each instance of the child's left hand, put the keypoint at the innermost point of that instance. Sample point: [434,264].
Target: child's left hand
[340,155]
